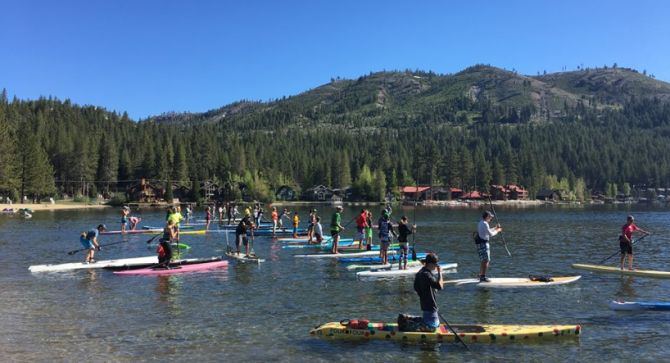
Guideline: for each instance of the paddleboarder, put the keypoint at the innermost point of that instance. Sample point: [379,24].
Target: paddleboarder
[125,212]
[241,233]
[275,220]
[336,227]
[484,234]
[208,217]
[90,241]
[626,240]
[164,248]
[425,284]
[404,230]
[385,231]
[318,230]
[133,222]
[368,231]
[361,226]
[296,221]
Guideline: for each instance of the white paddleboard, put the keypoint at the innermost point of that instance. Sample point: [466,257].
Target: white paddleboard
[241,257]
[344,255]
[396,272]
[515,282]
[136,261]
[410,263]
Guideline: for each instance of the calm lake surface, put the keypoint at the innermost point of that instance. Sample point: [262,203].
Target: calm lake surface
[264,313]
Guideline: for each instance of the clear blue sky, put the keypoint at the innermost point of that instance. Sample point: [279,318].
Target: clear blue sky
[149,57]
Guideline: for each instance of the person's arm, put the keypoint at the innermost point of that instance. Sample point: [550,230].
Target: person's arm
[95,242]
[436,283]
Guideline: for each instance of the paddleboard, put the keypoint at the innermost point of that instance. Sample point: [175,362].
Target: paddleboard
[136,231]
[469,333]
[181,226]
[347,243]
[242,258]
[380,266]
[640,305]
[514,282]
[395,272]
[617,270]
[344,255]
[377,259]
[136,261]
[158,271]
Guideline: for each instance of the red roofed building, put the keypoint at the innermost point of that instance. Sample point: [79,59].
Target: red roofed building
[415,193]
[475,195]
[508,192]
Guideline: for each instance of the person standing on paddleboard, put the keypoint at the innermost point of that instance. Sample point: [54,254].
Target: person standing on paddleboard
[275,220]
[336,228]
[164,248]
[296,222]
[368,231]
[125,212]
[318,231]
[626,240]
[482,238]
[425,285]
[385,232]
[90,241]
[241,233]
[208,217]
[361,225]
[403,231]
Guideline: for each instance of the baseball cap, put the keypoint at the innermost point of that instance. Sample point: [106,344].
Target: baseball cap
[102,227]
[430,258]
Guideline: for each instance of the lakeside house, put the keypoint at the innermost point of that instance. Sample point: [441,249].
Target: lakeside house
[508,192]
[553,195]
[145,192]
[285,193]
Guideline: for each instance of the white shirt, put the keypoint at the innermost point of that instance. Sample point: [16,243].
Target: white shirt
[485,231]
[319,229]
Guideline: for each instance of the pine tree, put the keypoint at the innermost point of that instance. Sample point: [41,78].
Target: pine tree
[38,180]
[9,180]
[379,186]
[180,165]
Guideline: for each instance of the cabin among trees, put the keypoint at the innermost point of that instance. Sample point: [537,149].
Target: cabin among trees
[285,192]
[145,192]
[508,192]
[415,193]
[549,195]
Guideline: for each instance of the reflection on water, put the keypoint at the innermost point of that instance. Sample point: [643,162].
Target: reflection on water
[264,312]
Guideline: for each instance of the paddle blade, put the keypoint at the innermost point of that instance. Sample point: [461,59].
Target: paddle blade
[413,254]
[72,252]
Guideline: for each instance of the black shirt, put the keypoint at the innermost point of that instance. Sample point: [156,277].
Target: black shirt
[403,232]
[425,284]
[244,226]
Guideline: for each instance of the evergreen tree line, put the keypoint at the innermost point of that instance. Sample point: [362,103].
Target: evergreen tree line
[51,147]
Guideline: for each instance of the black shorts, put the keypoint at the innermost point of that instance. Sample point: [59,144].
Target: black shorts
[626,247]
[334,233]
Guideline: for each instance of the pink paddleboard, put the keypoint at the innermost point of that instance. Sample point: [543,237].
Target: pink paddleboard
[196,267]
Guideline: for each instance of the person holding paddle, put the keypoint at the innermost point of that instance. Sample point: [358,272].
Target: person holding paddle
[164,248]
[482,237]
[425,284]
[626,240]
[241,233]
[385,232]
[90,242]
[404,230]
[336,227]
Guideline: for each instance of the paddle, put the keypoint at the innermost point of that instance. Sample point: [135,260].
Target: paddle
[227,245]
[452,330]
[153,238]
[86,249]
[498,222]
[414,221]
[617,252]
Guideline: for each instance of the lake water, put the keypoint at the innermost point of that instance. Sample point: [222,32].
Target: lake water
[248,312]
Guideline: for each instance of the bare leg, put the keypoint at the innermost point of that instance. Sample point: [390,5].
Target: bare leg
[483,267]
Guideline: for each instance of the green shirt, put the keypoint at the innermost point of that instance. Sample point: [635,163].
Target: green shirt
[335,222]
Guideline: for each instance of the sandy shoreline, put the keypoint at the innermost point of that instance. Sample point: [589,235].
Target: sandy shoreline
[51,207]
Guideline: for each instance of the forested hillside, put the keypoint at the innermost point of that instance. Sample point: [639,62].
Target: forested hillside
[583,130]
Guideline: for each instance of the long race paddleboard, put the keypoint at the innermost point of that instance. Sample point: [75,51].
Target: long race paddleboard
[377,259]
[242,258]
[514,282]
[380,266]
[344,255]
[474,333]
[617,270]
[136,261]
[158,271]
[395,272]
[640,305]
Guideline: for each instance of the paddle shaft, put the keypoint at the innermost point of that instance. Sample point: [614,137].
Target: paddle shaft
[153,238]
[86,249]
[498,222]
[458,337]
[616,253]
[416,195]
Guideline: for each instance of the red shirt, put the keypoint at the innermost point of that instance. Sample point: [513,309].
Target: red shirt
[362,220]
[628,229]
[275,216]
